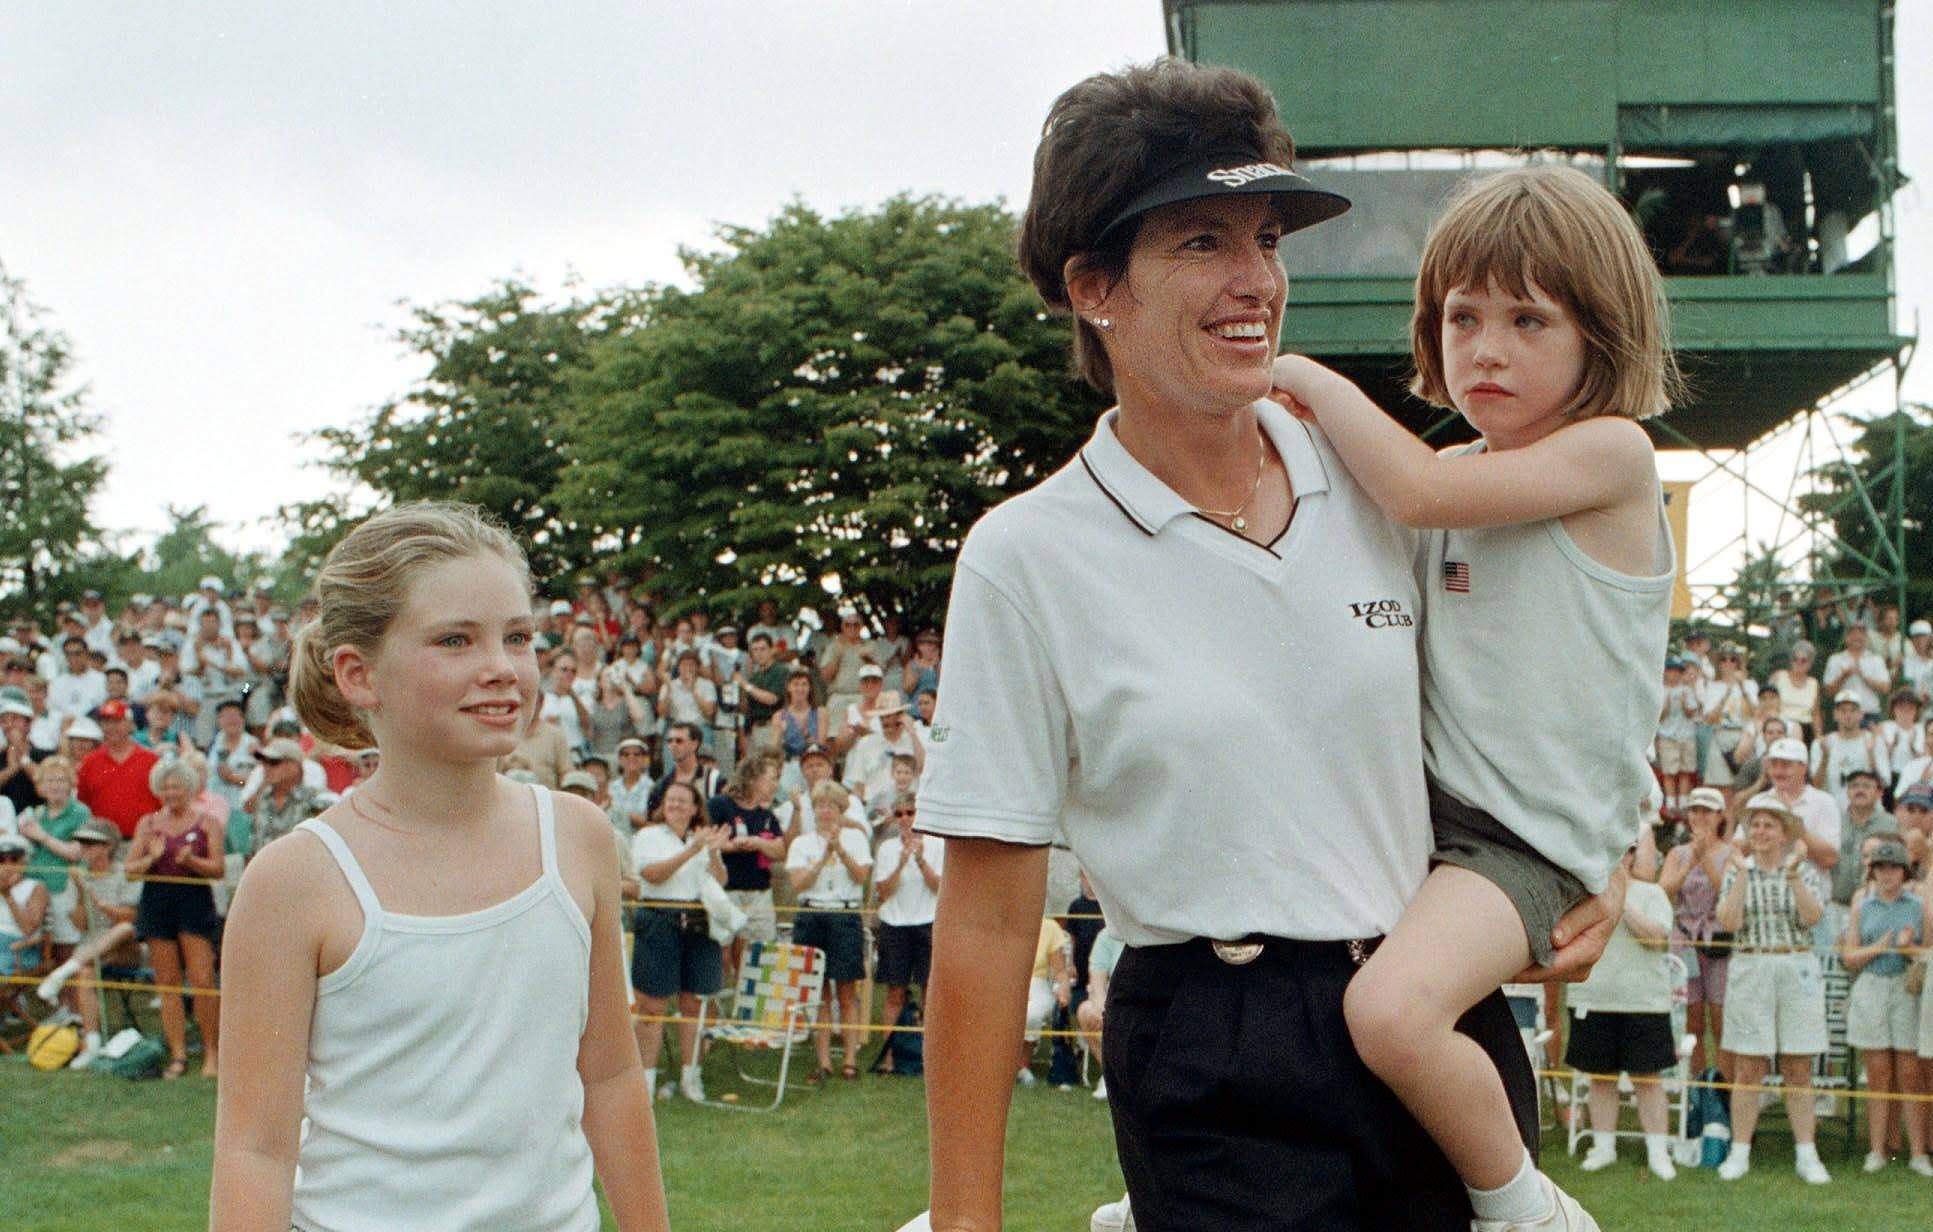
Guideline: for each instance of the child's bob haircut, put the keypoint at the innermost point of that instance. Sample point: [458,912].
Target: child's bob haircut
[1557,227]
[362,588]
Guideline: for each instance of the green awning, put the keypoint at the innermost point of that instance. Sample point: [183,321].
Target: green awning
[1672,126]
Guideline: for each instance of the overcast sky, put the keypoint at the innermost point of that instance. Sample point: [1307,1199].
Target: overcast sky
[223,204]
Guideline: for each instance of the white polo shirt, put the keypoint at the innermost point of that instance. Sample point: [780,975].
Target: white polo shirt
[1229,734]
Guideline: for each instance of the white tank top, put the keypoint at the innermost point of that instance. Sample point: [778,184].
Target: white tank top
[443,1092]
[1542,683]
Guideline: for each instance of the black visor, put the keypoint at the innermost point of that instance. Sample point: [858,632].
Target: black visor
[1233,173]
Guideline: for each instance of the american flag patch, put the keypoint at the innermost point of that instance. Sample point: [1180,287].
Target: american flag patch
[1456,577]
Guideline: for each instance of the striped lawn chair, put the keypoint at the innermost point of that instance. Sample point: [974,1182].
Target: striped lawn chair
[774,1003]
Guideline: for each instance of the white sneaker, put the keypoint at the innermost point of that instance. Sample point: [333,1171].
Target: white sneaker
[1100,1088]
[1026,1078]
[692,1082]
[666,1091]
[84,1059]
[1735,1166]
[1812,1171]
[1114,1217]
[1658,1159]
[1921,1164]
[1598,1158]
[1565,1215]
[56,980]
[1874,1162]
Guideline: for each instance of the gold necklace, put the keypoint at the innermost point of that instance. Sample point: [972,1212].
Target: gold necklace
[1234,516]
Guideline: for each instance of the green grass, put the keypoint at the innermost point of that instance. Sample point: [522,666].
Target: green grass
[84,1151]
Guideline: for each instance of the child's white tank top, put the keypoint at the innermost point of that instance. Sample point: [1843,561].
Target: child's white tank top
[443,1092]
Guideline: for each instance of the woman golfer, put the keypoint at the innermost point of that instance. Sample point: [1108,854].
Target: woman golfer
[1200,617]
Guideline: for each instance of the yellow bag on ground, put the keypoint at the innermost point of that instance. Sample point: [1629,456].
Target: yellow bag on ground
[51,1047]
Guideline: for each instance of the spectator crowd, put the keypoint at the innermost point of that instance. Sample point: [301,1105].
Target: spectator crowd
[767,776]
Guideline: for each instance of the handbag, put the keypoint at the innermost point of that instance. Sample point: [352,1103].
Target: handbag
[1718,945]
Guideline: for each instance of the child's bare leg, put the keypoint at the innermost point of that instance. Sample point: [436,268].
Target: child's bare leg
[1460,939]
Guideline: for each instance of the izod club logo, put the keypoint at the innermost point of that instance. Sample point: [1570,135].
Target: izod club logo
[1382,614]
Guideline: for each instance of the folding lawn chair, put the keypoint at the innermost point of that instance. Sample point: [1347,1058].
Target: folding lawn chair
[775,1002]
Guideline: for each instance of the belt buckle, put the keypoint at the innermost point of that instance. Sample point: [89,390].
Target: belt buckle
[1236,953]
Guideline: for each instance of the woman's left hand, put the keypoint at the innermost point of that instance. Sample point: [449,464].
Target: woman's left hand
[1580,937]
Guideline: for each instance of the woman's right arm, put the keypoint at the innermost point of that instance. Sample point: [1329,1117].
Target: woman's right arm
[1731,903]
[983,949]
[659,871]
[271,951]
[139,857]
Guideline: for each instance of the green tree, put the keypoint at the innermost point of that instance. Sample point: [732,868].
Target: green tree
[188,551]
[1856,487]
[837,398]
[48,539]
[483,425]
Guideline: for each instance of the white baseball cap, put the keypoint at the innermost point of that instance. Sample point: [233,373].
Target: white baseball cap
[1786,748]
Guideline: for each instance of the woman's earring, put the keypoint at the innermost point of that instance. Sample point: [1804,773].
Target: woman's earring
[1103,323]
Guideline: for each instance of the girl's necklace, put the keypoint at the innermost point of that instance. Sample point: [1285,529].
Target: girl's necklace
[355,805]
[1234,516]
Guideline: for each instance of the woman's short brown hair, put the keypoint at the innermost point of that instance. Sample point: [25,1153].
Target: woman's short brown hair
[1103,140]
[1557,227]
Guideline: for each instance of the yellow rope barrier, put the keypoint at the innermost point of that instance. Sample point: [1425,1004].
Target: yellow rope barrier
[875,1028]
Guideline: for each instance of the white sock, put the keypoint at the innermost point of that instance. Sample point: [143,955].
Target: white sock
[1741,1151]
[1806,1151]
[651,1080]
[1519,1200]
[91,1042]
[691,1071]
[1603,1144]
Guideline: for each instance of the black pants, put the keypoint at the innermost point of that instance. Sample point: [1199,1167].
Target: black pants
[1240,1105]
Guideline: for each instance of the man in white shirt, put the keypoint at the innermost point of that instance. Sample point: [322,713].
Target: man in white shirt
[869,767]
[1861,670]
[208,597]
[1846,749]
[1916,659]
[143,669]
[95,626]
[78,687]
[858,720]
[1785,765]
[795,814]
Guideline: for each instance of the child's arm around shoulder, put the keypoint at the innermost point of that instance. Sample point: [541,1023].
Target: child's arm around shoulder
[617,1104]
[272,949]
[1596,464]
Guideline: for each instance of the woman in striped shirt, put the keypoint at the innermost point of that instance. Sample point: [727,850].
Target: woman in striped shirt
[1775,1003]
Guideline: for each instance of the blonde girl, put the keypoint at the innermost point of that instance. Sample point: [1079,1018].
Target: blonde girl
[431,972]
[1545,574]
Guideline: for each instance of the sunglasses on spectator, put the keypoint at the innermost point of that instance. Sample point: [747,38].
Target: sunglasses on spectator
[8,857]
[903,812]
